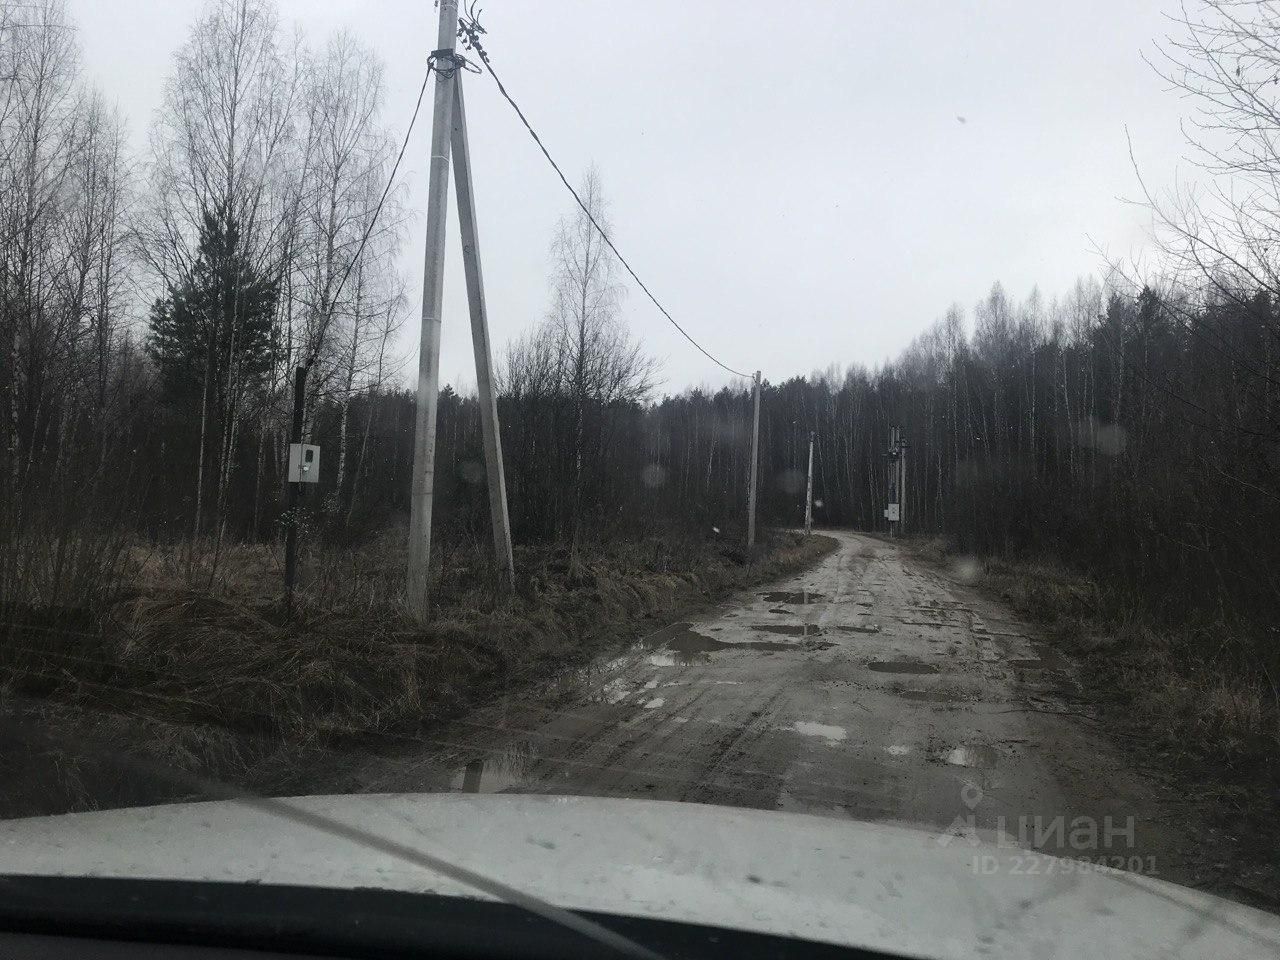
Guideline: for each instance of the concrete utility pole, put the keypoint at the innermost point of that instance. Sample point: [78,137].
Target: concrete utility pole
[902,484]
[896,511]
[808,492]
[449,133]
[480,342]
[755,461]
[424,428]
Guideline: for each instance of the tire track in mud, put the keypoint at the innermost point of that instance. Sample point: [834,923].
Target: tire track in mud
[730,748]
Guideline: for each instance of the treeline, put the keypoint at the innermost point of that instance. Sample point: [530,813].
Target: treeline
[1132,434]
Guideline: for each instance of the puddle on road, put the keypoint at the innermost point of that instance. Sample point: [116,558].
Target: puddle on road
[792,596]
[981,756]
[901,666]
[897,750]
[500,771]
[654,704]
[676,645]
[690,646]
[779,610]
[826,731]
[787,629]
[693,642]
[616,690]
[854,628]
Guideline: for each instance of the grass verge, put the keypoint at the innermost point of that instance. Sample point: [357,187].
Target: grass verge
[1194,700]
[1202,686]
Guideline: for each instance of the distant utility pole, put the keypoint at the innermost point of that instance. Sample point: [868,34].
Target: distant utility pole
[448,132]
[755,462]
[808,492]
[902,484]
[896,512]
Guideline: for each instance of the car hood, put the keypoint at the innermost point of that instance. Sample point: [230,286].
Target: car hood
[851,883]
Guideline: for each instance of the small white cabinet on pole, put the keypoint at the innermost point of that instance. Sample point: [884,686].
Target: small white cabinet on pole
[304,463]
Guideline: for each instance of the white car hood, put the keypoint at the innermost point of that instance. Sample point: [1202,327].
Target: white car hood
[858,884]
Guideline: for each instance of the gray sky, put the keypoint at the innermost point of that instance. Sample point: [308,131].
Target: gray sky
[793,181]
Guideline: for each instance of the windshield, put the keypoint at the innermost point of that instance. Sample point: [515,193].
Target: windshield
[586,456]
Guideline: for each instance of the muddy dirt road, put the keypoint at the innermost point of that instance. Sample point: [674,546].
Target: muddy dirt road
[869,687]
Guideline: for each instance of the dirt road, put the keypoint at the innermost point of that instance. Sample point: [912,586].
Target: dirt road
[869,687]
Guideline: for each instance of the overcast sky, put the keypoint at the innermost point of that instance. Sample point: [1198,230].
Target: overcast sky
[801,184]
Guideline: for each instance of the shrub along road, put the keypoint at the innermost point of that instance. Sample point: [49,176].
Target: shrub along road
[869,686]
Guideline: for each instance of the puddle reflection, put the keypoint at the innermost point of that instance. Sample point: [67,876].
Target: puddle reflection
[826,731]
[792,596]
[499,771]
[787,629]
[981,756]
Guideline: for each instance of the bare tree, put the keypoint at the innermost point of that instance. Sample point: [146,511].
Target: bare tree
[349,294]
[1223,230]
[63,193]
[600,365]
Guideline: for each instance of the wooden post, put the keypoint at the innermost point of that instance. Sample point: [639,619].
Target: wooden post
[295,491]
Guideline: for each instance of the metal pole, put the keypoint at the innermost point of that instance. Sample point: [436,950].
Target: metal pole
[755,462]
[480,341]
[424,434]
[295,491]
[808,492]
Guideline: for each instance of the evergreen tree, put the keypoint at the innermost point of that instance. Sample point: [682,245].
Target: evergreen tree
[210,340]
[220,318]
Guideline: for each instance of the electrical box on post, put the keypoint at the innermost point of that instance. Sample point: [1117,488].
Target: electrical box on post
[891,512]
[304,463]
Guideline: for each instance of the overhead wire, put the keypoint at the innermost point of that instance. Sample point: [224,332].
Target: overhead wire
[469,30]
[386,190]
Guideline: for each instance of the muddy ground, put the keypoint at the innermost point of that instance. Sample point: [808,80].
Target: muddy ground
[871,686]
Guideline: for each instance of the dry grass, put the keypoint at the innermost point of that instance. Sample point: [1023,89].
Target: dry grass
[199,661]
[1202,688]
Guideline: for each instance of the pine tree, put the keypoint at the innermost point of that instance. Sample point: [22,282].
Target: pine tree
[220,316]
[210,341]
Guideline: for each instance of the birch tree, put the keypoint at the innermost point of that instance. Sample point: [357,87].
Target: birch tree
[220,154]
[600,364]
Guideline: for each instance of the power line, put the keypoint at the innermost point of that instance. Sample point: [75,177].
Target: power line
[404,144]
[470,31]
